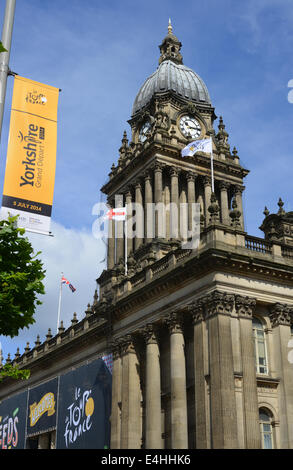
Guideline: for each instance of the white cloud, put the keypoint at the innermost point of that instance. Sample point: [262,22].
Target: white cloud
[78,255]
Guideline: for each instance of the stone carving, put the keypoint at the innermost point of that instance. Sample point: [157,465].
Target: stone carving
[219,303]
[115,346]
[235,214]
[280,314]
[245,306]
[214,209]
[174,322]
[222,137]
[197,311]
[149,334]
[127,345]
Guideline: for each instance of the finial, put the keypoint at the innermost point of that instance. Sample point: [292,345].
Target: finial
[61,327]
[280,204]
[27,348]
[17,354]
[49,334]
[266,211]
[8,360]
[74,319]
[170,47]
[96,297]
[38,342]
[88,311]
[124,139]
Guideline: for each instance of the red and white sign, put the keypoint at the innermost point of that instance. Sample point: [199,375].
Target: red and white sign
[119,213]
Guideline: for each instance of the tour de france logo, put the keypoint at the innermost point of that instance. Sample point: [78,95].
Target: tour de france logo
[34,97]
[79,418]
[45,405]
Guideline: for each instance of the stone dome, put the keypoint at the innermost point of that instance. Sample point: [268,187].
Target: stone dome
[171,76]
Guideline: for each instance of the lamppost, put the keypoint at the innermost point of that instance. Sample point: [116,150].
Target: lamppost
[4,56]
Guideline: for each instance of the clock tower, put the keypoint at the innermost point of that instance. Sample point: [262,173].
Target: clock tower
[200,334]
[189,369]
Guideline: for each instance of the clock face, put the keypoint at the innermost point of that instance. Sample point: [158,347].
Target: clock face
[145,129]
[190,126]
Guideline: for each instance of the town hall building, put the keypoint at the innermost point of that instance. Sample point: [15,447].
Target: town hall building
[199,334]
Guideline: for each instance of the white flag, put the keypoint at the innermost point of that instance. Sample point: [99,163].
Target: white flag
[119,213]
[204,145]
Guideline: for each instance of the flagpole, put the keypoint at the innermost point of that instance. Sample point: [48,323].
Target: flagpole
[59,304]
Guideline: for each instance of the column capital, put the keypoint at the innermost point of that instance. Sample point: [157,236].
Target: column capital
[127,192]
[137,183]
[245,306]
[147,174]
[224,185]
[127,345]
[158,166]
[115,346]
[197,311]
[219,303]
[190,176]
[174,322]
[207,181]
[150,334]
[239,188]
[111,202]
[280,314]
[174,171]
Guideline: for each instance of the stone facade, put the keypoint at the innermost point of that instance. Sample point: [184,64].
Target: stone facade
[199,336]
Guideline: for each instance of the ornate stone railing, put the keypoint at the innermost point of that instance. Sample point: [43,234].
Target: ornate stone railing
[258,244]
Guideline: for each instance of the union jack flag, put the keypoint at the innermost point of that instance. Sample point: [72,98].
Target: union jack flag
[65,281]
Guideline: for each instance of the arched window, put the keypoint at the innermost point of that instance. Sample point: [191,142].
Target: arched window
[266,429]
[259,346]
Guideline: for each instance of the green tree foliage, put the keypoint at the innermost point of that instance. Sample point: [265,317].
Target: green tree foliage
[21,275]
[2,48]
[8,370]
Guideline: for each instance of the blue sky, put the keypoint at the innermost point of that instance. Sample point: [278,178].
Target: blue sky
[99,53]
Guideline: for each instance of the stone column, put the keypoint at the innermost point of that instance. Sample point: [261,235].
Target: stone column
[179,434]
[225,219]
[167,200]
[139,216]
[238,196]
[131,430]
[111,243]
[219,306]
[149,213]
[116,396]
[174,213]
[207,197]
[190,197]
[119,233]
[200,361]
[280,320]
[158,169]
[245,307]
[183,213]
[153,431]
[128,203]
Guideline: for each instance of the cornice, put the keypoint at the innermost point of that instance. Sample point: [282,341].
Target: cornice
[194,267]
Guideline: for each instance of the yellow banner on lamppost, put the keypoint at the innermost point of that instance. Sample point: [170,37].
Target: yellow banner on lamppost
[31,155]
